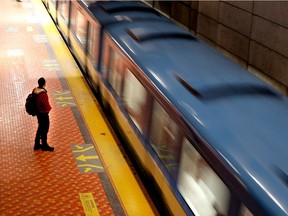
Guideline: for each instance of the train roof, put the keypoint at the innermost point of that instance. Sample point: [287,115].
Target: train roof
[107,13]
[240,116]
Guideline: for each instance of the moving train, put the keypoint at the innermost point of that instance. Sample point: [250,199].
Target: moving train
[212,136]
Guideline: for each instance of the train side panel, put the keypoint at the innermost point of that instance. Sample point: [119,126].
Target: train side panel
[63,13]
[78,32]
[133,136]
[232,196]
[161,159]
[92,55]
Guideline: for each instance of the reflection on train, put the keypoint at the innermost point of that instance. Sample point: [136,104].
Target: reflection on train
[211,135]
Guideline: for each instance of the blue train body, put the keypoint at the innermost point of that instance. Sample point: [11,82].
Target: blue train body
[242,118]
[113,13]
[109,13]
[235,121]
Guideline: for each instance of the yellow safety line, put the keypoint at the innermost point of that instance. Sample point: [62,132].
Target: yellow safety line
[132,197]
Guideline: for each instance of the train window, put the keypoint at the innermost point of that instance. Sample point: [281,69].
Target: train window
[199,185]
[134,99]
[80,28]
[164,138]
[93,42]
[72,18]
[114,77]
[64,9]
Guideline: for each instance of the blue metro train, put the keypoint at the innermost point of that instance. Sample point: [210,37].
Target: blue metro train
[212,136]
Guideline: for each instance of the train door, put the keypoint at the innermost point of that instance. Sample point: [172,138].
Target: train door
[63,18]
[93,49]
[165,138]
[78,33]
[129,93]
[203,190]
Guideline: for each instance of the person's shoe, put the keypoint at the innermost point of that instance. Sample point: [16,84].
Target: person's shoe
[37,146]
[47,148]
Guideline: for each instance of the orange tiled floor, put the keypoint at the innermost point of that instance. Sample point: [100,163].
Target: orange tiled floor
[36,182]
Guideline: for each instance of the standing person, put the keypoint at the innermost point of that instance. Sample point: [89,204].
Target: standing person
[43,108]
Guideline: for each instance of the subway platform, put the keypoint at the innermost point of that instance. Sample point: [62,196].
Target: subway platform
[87,173]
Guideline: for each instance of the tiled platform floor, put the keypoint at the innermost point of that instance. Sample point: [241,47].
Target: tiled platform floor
[37,182]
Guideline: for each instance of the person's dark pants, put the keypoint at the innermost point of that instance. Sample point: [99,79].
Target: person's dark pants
[43,128]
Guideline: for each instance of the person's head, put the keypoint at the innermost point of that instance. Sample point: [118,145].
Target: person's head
[41,82]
